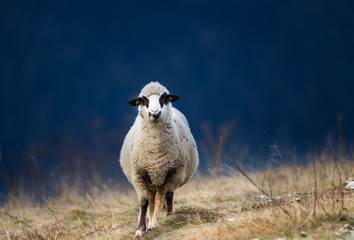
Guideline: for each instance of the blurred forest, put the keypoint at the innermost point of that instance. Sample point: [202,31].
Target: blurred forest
[249,75]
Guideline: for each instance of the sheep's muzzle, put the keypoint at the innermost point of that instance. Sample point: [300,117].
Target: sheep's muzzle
[155,116]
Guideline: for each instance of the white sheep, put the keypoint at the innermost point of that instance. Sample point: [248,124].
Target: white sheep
[159,153]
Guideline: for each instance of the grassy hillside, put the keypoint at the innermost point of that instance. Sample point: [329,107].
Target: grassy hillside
[285,203]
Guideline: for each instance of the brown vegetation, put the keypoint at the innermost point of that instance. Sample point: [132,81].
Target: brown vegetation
[267,204]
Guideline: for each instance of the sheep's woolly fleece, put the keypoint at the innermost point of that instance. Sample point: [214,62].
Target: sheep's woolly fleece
[153,88]
[158,156]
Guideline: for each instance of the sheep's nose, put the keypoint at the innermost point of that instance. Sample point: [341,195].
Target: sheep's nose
[154,111]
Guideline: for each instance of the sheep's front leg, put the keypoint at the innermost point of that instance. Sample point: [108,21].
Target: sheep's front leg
[159,202]
[142,217]
[151,207]
[140,183]
[169,203]
[173,180]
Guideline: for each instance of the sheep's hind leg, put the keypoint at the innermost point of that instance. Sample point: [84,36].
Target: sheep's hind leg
[159,202]
[169,203]
[151,207]
[142,217]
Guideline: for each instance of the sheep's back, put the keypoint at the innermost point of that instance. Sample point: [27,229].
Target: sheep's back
[188,143]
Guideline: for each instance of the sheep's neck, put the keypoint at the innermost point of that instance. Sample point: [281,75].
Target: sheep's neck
[158,127]
[159,142]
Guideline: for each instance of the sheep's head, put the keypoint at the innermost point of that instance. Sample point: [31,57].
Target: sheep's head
[153,104]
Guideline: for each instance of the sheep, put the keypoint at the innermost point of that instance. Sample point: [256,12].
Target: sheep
[159,153]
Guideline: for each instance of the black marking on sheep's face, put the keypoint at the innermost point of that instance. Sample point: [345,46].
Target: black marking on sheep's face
[166,98]
[163,99]
[145,101]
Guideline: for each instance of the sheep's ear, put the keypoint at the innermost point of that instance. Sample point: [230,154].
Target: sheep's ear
[136,102]
[172,98]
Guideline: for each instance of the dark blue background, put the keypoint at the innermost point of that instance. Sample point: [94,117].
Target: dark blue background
[68,69]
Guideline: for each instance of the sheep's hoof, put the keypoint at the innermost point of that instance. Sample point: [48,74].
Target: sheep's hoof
[153,225]
[138,234]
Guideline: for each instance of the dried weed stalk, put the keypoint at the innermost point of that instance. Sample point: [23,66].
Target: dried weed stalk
[26,224]
[274,200]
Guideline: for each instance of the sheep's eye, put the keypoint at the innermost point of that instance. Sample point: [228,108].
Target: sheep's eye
[145,101]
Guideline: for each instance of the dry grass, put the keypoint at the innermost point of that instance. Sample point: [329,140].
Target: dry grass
[227,207]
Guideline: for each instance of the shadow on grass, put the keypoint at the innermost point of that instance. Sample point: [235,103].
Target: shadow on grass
[183,216]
